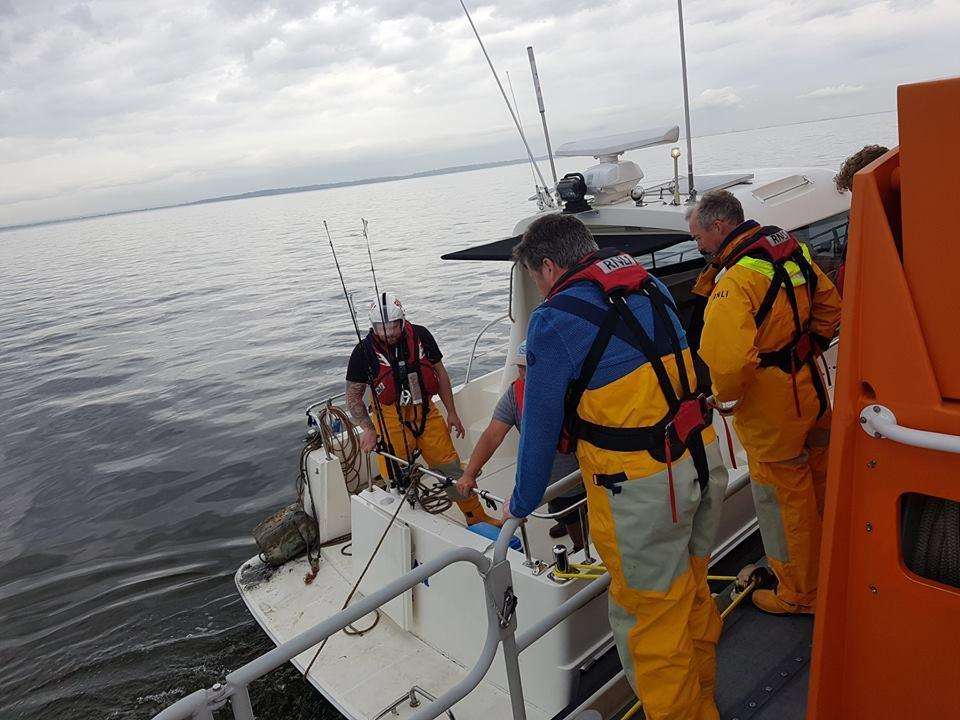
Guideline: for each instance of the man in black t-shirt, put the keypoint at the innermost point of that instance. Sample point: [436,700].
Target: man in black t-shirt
[401,364]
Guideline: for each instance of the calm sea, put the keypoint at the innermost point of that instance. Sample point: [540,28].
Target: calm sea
[154,369]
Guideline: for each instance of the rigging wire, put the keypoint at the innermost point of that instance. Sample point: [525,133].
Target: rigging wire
[503,92]
[516,106]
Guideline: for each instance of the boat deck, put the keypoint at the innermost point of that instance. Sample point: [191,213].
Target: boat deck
[763,663]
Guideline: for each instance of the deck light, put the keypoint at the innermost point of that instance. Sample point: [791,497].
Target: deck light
[572,189]
[675,154]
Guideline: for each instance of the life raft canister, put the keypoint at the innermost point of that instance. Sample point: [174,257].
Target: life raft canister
[619,275]
[779,255]
[392,371]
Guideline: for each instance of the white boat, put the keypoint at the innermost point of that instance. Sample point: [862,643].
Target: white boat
[435,638]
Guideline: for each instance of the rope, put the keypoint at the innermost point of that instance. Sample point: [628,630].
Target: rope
[344,444]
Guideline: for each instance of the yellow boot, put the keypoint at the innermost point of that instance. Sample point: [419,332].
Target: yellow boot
[768,601]
[474,511]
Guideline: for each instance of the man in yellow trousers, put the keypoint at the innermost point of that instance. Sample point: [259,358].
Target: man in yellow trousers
[770,313]
[608,367]
[400,365]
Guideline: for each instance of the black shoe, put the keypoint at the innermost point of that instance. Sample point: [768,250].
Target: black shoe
[558,531]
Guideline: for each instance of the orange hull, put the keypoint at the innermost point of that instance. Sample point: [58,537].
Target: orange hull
[886,641]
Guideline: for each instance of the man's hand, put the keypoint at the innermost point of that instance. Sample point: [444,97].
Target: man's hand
[453,423]
[466,485]
[368,440]
[505,513]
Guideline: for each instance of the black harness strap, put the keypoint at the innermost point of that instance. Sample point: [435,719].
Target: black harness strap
[649,438]
[590,363]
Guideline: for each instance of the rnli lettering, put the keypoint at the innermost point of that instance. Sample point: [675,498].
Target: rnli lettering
[778,238]
[720,294]
[617,262]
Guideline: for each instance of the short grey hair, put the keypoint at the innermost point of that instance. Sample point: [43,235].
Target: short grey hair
[717,205]
[562,238]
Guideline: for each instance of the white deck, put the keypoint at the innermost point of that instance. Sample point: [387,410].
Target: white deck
[361,675]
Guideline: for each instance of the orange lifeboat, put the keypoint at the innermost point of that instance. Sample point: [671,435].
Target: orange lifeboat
[887,633]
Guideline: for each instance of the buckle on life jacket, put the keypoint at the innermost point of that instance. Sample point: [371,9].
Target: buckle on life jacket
[803,348]
[692,416]
[611,482]
[567,444]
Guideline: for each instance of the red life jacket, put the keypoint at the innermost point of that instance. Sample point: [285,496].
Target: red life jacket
[618,275]
[518,386]
[778,247]
[392,368]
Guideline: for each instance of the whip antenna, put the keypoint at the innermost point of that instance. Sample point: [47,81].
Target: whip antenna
[686,106]
[503,92]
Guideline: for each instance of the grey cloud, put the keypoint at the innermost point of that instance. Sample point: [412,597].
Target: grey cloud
[243,90]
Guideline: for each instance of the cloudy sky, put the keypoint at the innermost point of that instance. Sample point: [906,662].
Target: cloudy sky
[118,104]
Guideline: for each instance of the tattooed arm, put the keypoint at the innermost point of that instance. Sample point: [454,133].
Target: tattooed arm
[358,411]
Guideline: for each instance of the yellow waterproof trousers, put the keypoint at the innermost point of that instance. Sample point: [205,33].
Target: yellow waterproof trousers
[788,496]
[436,448]
[663,617]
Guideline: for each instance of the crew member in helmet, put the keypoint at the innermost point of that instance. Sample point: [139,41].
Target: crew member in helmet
[608,370]
[400,363]
[508,414]
[770,312]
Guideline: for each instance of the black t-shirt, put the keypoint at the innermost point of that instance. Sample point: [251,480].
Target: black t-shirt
[359,366]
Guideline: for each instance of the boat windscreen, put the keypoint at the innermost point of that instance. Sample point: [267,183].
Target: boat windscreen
[635,244]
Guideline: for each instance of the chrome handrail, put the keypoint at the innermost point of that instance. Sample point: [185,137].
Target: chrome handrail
[476,342]
[879,422]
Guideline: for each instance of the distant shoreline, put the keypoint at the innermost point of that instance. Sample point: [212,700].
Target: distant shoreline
[273,191]
[369,181]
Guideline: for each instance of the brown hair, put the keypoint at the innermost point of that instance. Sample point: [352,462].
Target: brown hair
[855,163]
[562,238]
[717,205]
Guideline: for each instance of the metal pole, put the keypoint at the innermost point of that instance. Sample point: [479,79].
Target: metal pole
[511,660]
[240,701]
[585,531]
[543,113]
[686,106]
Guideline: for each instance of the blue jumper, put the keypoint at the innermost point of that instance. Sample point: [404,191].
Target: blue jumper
[557,344]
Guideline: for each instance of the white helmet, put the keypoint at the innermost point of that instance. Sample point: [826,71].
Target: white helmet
[385,307]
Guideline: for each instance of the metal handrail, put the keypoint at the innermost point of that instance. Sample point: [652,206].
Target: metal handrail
[501,626]
[476,342]
[880,422]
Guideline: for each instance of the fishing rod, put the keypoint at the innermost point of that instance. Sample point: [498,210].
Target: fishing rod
[383,438]
[381,299]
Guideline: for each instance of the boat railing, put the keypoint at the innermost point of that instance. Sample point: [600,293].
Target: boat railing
[500,601]
[476,342]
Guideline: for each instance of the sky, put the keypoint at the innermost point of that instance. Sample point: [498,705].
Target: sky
[119,104]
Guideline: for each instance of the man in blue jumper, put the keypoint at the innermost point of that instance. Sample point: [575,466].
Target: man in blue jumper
[608,368]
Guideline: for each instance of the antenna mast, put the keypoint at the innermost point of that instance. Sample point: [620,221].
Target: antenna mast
[686,107]
[543,113]
[503,92]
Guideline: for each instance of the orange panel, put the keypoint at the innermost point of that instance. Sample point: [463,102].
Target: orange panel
[929,115]
[887,643]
